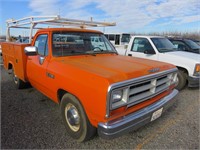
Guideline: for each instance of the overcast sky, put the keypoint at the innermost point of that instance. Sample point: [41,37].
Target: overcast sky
[142,16]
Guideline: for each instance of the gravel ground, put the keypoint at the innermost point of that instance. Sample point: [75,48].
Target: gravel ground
[29,120]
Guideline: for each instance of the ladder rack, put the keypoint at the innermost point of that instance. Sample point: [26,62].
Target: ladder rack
[33,21]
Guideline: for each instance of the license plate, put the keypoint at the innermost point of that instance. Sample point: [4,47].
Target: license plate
[156,114]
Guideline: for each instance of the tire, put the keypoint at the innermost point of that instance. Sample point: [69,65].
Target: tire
[182,80]
[75,119]
[19,84]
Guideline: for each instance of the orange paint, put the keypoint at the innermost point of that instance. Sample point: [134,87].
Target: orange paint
[85,76]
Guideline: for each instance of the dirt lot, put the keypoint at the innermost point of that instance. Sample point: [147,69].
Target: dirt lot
[31,120]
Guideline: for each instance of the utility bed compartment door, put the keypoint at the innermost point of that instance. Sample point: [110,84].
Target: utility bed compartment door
[13,53]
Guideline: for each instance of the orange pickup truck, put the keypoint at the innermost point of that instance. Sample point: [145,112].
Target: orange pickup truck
[97,89]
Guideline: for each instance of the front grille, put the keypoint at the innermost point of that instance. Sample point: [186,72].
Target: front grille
[144,90]
[137,90]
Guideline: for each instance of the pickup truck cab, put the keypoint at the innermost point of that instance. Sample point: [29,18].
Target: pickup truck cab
[161,49]
[187,45]
[97,89]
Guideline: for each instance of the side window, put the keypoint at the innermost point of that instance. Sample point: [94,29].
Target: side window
[106,35]
[140,45]
[42,44]
[180,45]
[111,37]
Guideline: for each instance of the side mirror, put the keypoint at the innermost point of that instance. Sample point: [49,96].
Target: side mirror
[30,50]
[149,52]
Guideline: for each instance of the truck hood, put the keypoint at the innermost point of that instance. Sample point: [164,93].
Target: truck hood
[114,68]
[187,56]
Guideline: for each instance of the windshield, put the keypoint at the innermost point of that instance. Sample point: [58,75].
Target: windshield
[192,44]
[163,45]
[80,43]
[125,38]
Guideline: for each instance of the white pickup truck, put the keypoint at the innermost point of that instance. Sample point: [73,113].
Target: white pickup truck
[161,49]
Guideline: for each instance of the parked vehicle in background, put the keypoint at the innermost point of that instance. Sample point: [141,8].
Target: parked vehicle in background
[97,89]
[185,45]
[161,49]
[196,41]
[119,40]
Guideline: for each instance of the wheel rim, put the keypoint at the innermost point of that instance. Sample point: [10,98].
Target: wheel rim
[72,117]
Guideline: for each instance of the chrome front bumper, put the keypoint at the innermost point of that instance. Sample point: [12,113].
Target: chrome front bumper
[137,119]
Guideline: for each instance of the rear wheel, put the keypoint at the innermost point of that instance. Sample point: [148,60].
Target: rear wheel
[18,82]
[181,79]
[76,121]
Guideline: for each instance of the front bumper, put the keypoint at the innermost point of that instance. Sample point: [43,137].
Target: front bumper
[193,81]
[137,119]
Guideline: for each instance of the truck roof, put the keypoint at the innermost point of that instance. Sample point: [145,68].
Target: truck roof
[69,30]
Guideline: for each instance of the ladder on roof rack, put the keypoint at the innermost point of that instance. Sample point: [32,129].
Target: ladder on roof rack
[33,21]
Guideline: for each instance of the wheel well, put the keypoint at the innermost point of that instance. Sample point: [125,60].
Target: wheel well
[10,66]
[60,94]
[183,69]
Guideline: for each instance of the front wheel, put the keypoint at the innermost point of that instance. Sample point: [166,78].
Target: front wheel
[76,122]
[181,80]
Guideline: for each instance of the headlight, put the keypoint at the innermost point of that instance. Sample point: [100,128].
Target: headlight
[119,98]
[197,70]
[173,78]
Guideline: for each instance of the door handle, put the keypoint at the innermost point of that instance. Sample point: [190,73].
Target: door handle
[29,58]
[129,54]
[50,75]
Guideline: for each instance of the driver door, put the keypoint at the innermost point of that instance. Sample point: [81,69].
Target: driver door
[37,65]
[139,46]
